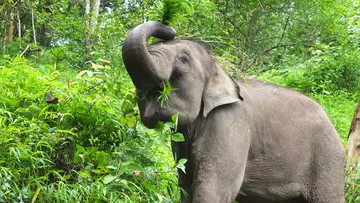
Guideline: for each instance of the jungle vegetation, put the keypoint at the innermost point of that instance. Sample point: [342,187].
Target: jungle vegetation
[84,141]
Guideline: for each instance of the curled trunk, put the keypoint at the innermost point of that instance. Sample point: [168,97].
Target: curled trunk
[143,70]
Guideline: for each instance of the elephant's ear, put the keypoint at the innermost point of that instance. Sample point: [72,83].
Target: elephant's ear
[220,89]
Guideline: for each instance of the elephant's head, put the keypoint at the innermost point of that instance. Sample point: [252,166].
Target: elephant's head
[200,83]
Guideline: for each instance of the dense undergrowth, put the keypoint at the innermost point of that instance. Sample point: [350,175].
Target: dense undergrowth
[89,147]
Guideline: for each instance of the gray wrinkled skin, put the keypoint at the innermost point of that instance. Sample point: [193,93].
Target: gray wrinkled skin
[252,142]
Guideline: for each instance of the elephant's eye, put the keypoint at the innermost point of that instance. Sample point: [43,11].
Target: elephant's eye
[184,58]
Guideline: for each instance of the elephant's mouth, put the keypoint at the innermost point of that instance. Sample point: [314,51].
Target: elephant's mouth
[151,122]
[152,112]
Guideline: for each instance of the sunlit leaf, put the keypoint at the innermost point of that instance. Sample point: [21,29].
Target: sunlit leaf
[181,165]
[80,149]
[84,174]
[178,137]
[109,178]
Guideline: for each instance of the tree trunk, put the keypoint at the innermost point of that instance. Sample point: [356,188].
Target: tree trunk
[19,26]
[33,23]
[95,14]
[353,146]
[4,35]
[92,6]
[10,29]
[87,9]
[87,25]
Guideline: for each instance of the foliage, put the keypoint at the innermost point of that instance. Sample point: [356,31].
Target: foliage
[89,146]
[175,9]
[352,186]
[164,92]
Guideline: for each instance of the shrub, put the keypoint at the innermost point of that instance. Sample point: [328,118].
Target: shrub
[90,147]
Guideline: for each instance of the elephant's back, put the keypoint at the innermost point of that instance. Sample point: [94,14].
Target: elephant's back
[278,102]
[282,117]
[290,133]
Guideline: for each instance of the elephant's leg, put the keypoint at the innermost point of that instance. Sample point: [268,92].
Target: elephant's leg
[217,183]
[327,193]
[219,156]
[328,189]
[328,185]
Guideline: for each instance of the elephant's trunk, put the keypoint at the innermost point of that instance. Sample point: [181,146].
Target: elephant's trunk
[138,62]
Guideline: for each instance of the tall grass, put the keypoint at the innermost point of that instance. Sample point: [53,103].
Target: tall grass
[90,147]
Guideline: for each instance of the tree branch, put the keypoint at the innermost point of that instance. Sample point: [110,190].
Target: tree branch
[27,47]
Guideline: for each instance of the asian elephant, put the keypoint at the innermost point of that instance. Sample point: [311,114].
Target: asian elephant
[249,141]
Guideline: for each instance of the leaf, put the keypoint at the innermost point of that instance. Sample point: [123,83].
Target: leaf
[67,177]
[159,126]
[67,131]
[80,149]
[104,61]
[130,122]
[84,174]
[78,76]
[123,121]
[102,158]
[175,119]
[169,125]
[97,66]
[178,137]
[123,181]
[181,165]
[90,73]
[161,197]
[79,158]
[109,178]
[129,168]
[111,167]
[165,92]
[35,195]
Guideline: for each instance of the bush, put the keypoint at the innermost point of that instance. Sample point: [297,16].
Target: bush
[330,69]
[334,68]
[352,186]
[90,147]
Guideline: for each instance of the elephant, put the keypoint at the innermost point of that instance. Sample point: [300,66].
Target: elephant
[245,140]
